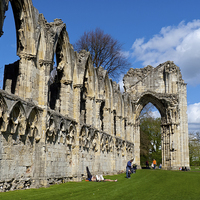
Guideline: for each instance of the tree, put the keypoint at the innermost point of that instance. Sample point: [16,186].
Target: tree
[194,148]
[105,51]
[150,139]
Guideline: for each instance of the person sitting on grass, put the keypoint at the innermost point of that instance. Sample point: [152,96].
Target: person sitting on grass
[160,166]
[101,178]
[97,178]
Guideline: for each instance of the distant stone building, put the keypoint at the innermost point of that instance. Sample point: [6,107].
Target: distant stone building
[51,130]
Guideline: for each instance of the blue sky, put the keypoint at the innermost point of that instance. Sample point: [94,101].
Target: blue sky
[152,31]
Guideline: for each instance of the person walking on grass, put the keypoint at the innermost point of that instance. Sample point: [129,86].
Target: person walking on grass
[154,163]
[128,168]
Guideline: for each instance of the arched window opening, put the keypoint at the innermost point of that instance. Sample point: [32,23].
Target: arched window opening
[8,43]
[54,86]
[150,136]
[83,96]
[115,126]
[57,74]
[53,71]
[102,115]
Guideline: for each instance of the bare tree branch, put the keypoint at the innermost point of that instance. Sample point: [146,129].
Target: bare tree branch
[105,51]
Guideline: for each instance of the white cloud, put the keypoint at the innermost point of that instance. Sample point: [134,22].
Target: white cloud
[155,114]
[193,127]
[193,112]
[125,54]
[176,43]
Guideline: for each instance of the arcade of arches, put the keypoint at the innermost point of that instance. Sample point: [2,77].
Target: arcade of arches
[50,132]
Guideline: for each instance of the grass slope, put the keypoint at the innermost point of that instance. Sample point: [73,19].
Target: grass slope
[145,184]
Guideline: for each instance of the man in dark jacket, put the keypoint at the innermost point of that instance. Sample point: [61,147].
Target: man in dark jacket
[128,168]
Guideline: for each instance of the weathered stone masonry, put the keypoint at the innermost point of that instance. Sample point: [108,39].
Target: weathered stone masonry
[50,131]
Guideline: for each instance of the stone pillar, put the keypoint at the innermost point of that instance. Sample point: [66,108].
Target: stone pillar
[89,110]
[106,120]
[162,144]
[66,99]
[77,92]
[123,129]
[45,69]
[97,114]
[118,126]
[43,101]
[132,132]
[137,144]
[24,87]
[183,125]
[129,133]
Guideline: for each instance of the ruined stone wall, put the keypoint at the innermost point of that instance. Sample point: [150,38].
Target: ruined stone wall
[164,87]
[53,127]
[3,9]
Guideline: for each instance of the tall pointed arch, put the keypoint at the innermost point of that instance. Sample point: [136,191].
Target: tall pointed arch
[164,87]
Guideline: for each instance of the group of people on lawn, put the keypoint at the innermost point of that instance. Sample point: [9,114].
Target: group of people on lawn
[130,168]
[153,165]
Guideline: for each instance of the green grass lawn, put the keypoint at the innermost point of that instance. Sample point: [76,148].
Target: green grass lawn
[145,184]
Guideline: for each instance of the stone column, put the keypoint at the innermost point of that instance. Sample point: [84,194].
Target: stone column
[45,69]
[132,132]
[76,116]
[118,126]
[43,101]
[97,114]
[66,99]
[184,125]
[89,110]
[137,144]
[123,128]
[106,120]
[77,91]
[24,87]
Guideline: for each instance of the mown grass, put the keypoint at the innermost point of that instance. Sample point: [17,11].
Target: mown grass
[145,184]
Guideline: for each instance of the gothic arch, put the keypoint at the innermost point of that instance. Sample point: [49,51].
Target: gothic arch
[89,78]
[51,130]
[164,87]
[25,21]
[83,137]
[4,117]
[150,97]
[62,83]
[64,56]
[33,129]
[3,9]
[62,132]
[71,135]
[18,119]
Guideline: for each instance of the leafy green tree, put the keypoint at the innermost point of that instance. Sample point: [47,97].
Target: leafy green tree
[194,148]
[150,140]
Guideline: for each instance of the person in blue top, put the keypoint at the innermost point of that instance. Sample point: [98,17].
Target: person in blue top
[128,168]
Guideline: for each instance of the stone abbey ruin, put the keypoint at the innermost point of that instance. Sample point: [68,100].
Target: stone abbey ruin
[50,132]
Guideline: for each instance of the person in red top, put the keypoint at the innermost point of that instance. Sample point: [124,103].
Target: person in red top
[154,163]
